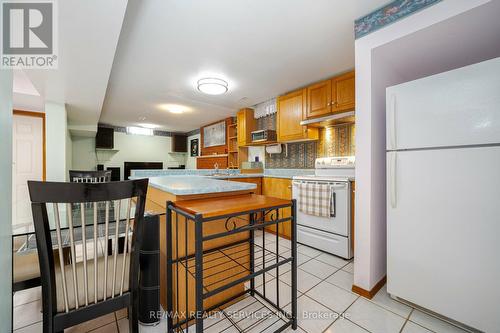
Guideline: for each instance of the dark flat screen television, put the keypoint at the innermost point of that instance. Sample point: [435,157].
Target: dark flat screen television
[129,166]
[104,138]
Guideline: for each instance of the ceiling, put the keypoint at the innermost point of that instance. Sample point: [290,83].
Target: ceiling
[263,48]
[88,36]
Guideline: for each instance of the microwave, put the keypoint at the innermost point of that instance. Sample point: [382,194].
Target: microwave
[263,135]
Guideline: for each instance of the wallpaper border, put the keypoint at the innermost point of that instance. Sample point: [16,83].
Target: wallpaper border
[389,14]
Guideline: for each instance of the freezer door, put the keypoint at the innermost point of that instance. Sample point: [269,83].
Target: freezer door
[455,108]
[443,232]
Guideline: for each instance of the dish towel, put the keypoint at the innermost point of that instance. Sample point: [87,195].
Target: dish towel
[316,199]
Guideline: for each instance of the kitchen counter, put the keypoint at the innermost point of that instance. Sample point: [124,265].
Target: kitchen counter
[193,185]
[223,173]
[236,176]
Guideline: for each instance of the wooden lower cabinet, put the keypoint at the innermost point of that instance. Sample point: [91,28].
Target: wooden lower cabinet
[279,188]
[255,180]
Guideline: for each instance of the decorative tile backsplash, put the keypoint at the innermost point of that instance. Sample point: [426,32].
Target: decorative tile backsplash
[334,141]
[267,122]
[337,141]
[301,155]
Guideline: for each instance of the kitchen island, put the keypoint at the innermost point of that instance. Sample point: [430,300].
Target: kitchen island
[181,188]
[207,244]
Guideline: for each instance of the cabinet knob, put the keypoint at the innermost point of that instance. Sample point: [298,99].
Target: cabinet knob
[329,103]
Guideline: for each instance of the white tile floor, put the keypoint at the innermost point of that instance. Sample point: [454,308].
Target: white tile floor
[325,303]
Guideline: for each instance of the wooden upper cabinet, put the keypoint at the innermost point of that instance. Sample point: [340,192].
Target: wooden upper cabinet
[331,96]
[246,124]
[291,109]
[343,97]
[319,98]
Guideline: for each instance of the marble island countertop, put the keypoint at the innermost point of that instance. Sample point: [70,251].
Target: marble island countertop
[189,185]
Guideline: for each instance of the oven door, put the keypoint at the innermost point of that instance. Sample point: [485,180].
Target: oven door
[339,224]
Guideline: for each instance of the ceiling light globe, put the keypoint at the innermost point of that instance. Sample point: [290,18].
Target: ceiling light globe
[212,86]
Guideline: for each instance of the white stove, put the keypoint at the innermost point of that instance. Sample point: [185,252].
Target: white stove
[329,234]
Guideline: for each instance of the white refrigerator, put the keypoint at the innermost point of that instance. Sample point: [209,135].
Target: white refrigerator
[443,194]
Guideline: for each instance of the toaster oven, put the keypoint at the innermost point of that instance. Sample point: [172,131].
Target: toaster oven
[263,135]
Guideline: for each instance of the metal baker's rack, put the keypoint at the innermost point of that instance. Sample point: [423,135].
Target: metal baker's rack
[204,280]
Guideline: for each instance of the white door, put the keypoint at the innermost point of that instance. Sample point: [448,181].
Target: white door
[443,232]
[27,165]
[455,108]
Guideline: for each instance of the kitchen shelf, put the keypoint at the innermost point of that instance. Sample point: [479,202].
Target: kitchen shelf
[233,137]
[262,143]
[211,156]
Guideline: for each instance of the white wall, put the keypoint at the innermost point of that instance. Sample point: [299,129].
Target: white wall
[191,161]
[130,148]
[5,199]
[372,76]
[69,151]
[257,152]
[57,153]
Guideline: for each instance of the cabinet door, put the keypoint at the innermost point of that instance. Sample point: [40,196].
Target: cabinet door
[240,118]
[255,180]
[245,124]
[319,97]
[343,88]
[279,188]
[290,113]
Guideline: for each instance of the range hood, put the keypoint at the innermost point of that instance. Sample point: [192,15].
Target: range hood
[331,120]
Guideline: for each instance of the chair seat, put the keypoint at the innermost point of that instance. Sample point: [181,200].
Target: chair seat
[25,266]
[90,278]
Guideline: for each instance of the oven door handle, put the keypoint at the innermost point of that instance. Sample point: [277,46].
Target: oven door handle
[333,204]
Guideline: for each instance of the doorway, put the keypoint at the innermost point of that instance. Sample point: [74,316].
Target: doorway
[28,162]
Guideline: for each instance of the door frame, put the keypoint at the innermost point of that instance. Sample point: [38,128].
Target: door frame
[36,115]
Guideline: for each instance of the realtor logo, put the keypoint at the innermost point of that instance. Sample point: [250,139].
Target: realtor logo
[28,34]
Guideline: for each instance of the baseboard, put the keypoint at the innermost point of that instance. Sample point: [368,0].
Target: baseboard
[369,293]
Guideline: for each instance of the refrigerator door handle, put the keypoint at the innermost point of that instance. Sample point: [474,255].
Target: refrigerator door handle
[392,108]
[392,177]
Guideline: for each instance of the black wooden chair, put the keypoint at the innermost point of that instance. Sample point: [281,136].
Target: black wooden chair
[98,284]
[101,176]
[25,265]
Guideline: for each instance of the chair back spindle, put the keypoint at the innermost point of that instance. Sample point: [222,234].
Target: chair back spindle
[100,176]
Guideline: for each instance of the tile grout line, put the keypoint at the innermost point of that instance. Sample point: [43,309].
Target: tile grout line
[116,321]
[403,327]
[33,301]
[28,302]
[31,324]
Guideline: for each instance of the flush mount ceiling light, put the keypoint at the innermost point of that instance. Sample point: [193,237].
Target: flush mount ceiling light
[212,86]
[174,108]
